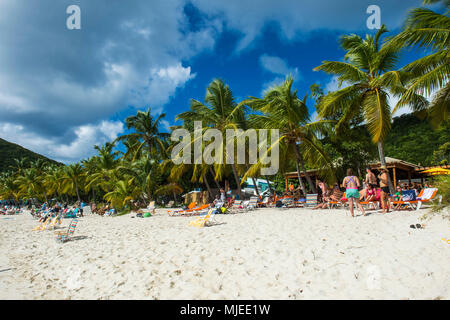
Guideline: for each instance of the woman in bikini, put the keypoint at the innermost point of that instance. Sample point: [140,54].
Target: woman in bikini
[351,184]
[384,189]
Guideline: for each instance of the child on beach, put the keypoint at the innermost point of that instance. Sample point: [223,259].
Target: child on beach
[351,184]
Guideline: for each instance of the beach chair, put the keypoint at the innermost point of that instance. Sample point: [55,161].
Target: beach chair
[252,204]
[337,195]
[190,206]
[195,211]
[64,236]
[264,203]
[42,226]
[426,195]
[204,220]
[170,204]
[311,200]
[188,212]
[236,207]
[151,207]
[287,203]
[57,219]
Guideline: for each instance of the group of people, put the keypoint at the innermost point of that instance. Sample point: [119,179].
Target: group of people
[370,191]
[62,210]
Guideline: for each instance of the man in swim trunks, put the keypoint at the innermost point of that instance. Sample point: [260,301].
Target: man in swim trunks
[371,180]
[351,185]
[383,176]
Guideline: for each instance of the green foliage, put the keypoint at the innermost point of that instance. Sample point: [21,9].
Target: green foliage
[11,151]
[442,183]
[414,140]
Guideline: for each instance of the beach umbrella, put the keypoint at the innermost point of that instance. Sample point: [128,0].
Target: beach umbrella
[436,171]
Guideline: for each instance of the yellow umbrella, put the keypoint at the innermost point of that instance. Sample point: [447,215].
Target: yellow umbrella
[436,171]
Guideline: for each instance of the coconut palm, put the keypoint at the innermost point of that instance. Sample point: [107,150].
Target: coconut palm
[105,165]
[143,174]
[73,179]
[147,130]
[220,112]
[368,71]
[428,29]
[29,183]
[282,109]
[122,194]
[53,180]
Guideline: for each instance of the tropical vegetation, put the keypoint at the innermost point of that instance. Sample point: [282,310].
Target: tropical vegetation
[355,125]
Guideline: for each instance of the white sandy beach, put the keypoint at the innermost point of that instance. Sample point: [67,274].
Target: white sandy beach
[262,254]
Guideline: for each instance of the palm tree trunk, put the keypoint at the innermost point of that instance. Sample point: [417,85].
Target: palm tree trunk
[78,193]
[270,187]
[256,186]
[236,177]
[208,187]
[302,165]
[302,186]
[211,170]
[383,163]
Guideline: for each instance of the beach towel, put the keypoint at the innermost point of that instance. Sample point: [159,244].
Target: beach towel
[409,195]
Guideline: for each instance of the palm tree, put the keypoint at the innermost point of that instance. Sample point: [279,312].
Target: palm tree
[9,188]
[105,165]
[53,180]
[29,184]
[147,129]
[368,71]
[430,30]
[142,173]
[220,112]
[122,194]
[73,179]
[282,109]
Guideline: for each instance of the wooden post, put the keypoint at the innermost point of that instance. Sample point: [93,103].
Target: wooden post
[286,183]
[395,178]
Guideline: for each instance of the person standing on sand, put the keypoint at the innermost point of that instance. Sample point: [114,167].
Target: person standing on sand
[383,176]
[351,185]
[371,179]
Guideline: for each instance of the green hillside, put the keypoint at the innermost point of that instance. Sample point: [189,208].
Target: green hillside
[10,151]
[412,139]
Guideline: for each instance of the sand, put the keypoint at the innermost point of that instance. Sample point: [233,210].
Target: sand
[262,254]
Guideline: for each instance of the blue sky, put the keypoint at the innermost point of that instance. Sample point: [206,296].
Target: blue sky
[62,91]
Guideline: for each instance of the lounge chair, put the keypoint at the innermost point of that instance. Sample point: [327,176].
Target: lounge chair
[336,201]
[43,225]
[151,207]
[190,206]
[426,195]
[287,203]
[170,204]
[236,206]
[188,212]
[204,220]
[55,220]
[253,203]
[264,203]
[195,211]
[64,236]
[311,200]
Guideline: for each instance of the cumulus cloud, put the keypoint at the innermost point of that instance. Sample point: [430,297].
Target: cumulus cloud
[280,68]
[82,146]
[297,18]
[57,84]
